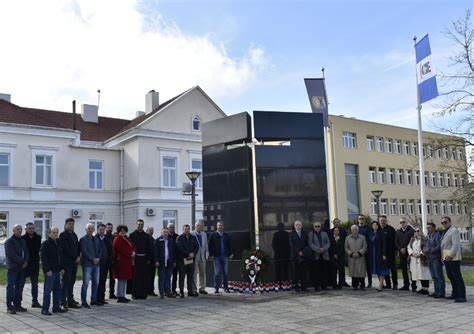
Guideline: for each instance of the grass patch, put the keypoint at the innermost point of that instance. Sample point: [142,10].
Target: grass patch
[3,275]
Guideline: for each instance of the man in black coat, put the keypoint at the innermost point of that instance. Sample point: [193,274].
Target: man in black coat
[17,257]
[109,235]
[151,267]
[187,248]
[33,242]
[164,251]
[221,251]
[69,251]
[281,253]
[389,233]
[402,239]
[298,242]
[174,236]
[105,259]
[50,260]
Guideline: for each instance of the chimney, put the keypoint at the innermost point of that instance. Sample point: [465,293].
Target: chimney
[6,97]
[90,113]
[152,101]
[139,113]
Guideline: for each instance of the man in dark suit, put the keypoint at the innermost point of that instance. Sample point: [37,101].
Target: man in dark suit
[389,233]
[164,251]
[69,251]
[298,241]
[151,266]
[109,235]
[187,249]
[105,259]
[281,253]
[173,235]
[220,249]
[341,259]
[33,242]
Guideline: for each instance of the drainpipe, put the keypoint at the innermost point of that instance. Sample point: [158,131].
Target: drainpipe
[122,218]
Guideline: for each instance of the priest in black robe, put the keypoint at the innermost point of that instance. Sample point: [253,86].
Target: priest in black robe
[143,257]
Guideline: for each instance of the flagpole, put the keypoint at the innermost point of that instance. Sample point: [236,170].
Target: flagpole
[326,152]
[420,151]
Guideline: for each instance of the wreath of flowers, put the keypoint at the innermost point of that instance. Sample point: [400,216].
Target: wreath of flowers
[255,265]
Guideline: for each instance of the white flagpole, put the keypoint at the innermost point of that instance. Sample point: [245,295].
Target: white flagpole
[420,151]
[326,152]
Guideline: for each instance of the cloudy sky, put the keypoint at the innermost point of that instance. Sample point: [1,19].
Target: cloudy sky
[247,55]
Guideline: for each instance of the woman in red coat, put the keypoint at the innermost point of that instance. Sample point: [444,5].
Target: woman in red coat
[123,256]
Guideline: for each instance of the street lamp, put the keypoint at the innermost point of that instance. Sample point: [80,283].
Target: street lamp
[377,194]
[193,176]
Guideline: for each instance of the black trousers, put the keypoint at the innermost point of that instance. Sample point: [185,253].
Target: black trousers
[424,284]
[299,273]
[174,280]
[111,281]
[338,268]
[368,269]
[102,280]
[319,273]
[151,279]
[393,270]
[281,270]
[33,275]
[404,267]
[357,282]
[186,271]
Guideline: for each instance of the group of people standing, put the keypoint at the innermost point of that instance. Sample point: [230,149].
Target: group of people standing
[131,260]
[372,250]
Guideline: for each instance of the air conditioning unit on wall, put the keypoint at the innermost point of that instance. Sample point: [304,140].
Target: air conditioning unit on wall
[76,213]
[150,212]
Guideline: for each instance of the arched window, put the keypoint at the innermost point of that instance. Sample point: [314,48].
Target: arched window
[196,123]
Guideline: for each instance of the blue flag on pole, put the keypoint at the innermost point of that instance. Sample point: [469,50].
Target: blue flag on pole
[427,88]
[317,97]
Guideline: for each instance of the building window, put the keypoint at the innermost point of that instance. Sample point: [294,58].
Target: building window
[400,176]
[411,207]
[430,151]
[383,206]
[3,225]
[443,208]
[406,147]
[418,207]
[389,145]
[455,180]
[414,148]
[445,153]
[461,180]
[438,153]
[426,179]
[352,190]
[96,218]
[450,208]
[457,208]
[393,207]
[417,178]
[42,221]
[435,207]
[428,207]
[4,169]
[453,154]
[460,154]
[196,123]
[373,206]
[391,176]
[434,179]
[441,179]
[170,217]
[349,139]
[379,144]
[409,175]
[464,209]
[381,175]
[169,171]
[43,170]
[95,175]
[448,180]
[196,165]
[402,207]
[398,146]
[424,151]
[370,143]
[372,178]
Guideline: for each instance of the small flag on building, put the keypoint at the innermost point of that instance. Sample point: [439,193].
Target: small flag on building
[427,88]
[317,97]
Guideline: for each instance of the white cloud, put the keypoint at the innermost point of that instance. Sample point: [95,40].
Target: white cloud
[56,51]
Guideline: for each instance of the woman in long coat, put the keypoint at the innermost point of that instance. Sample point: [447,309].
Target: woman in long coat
[123,254]
[418,262]
[337,258]
[355,247]
[378,253]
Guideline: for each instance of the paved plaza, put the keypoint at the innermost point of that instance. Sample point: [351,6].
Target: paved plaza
[338,311]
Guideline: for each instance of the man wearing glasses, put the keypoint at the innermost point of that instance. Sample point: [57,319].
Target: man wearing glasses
[402,239]
[451,256]
[433,254]
[364,229]
[318,241]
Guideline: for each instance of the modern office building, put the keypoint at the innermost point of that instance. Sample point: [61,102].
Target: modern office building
[366,156]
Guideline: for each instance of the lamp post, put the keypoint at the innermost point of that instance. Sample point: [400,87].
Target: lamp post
[193,176]
[377,194]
